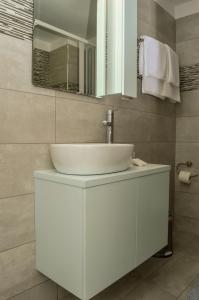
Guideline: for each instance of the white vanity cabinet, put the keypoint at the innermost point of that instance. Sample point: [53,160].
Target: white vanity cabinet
[152,215]
[92,230]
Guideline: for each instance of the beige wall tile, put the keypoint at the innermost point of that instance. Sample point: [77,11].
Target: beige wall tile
[189,105]
[187,28]
[110,100]
[164,23]
[158,153]
[78,122]
[17,164]
[144,28]
[134,126]
[143,10]
[17,221]
[187,129]
[76,97]
[188,52]
[17,271]
[44,291]
[147,103]
[192,188]
[156,22]
[186,152]
[26,118]
[16,66]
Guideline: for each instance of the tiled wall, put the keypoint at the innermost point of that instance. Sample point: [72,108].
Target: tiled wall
[188,47]
[31,118]
[187,134]
[41,67]
[17,18]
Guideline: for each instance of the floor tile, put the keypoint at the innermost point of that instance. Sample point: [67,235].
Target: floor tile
[193,284]
[176,275]
[116,291]
[148,291]
[44,291]
[148,267]
[187,243]
[120,289]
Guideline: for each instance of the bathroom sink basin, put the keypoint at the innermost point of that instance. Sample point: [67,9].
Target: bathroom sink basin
[91,159]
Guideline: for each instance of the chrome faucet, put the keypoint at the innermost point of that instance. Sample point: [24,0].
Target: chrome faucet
[109,125]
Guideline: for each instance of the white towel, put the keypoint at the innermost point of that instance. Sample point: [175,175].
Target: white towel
[141,59]
[173,67]
[152,66]
[171,88]
[153,58]
[153,86]
[171,92]
[159,67]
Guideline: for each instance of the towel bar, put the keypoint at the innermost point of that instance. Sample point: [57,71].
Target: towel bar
[139,41]
[188,164]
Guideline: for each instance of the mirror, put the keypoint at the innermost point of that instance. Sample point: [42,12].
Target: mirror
[64,45]
[86,47]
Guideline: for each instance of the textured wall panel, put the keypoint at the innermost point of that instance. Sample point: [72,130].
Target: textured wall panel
[40,67]
[189,78]
[16,18]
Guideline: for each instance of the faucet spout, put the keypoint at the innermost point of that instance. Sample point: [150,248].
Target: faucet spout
[109,125]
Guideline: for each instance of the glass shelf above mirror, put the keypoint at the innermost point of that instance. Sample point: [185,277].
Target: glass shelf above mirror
[86,47]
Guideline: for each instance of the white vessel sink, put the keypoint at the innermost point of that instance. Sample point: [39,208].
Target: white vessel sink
[91,159]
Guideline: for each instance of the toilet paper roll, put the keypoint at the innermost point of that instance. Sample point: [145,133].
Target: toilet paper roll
[184,177]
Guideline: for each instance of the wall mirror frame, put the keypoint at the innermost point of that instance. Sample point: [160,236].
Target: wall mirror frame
[86,47]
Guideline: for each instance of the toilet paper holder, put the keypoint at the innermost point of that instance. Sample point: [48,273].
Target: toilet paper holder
[187,164]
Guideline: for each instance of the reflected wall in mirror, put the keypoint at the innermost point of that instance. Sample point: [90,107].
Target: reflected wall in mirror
[64,45]
[87,47]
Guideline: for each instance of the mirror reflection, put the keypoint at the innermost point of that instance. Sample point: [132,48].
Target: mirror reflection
[64,45]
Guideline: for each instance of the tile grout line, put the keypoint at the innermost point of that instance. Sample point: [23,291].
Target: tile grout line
[94,141]
[18,246]
[15,196]
[34,286]
[120,106]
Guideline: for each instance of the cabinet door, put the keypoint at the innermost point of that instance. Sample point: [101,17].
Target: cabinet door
[152,223]
[110,233]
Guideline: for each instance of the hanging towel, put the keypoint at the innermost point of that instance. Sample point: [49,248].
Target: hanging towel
[173,67]
[152,66]
[159,67]
[153,61]
[171,92]
[171,89]
[153,86]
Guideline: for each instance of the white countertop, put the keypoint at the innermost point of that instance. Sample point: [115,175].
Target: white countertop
[95,180]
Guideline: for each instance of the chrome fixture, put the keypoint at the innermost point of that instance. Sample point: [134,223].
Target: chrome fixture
[109,125]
